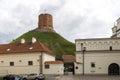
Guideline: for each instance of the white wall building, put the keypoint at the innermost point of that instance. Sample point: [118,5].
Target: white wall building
[54,67]
[24,58]
[98,56]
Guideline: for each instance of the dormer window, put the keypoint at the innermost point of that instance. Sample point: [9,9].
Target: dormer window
[8,49]
[30,48]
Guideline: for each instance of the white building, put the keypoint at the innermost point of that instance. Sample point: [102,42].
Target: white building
[116,29]
[54,67]
[98,56]
[25,58]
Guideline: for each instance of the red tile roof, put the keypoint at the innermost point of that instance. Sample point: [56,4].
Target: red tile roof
[68,58]
[78,63]
[53,62]
[24,47]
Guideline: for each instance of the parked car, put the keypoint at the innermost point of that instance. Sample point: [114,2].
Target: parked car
[12,77]
[34,77]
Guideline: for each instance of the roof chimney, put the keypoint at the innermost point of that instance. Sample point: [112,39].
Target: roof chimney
[33,40]
[22,41]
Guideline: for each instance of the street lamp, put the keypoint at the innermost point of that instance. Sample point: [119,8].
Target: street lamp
[83,52]
[40,63]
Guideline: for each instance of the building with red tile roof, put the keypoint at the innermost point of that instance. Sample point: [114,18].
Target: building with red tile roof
[53,62]
[54,67]
[69,58]
[24,47]
[24,58]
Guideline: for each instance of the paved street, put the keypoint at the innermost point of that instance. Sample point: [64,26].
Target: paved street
[72,77]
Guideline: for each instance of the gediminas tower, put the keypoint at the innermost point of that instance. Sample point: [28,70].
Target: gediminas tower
[45,23]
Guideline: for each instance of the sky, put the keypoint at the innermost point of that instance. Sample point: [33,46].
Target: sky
[72,19]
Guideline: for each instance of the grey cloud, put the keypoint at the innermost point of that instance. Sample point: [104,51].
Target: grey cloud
[81,27]
[23,14]
[69,25]
[52,9]
[95,28]
[84,24]
[6,38]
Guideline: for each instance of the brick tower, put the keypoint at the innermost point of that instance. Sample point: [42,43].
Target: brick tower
[45,23]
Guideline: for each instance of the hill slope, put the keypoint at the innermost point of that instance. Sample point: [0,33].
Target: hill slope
[52,40]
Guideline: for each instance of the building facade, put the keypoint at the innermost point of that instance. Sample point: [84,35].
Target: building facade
[54,67]
[98,56]
[116,29]
[24,58]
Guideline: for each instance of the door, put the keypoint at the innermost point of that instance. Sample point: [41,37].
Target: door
[113,69]
[69,67]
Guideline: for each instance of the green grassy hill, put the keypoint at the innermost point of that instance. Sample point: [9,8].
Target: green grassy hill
[52,40]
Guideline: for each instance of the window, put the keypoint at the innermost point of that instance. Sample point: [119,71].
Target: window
[76,67]
[110,48]
[92,64]
[47,66]
[20,60]
[2,61]
[8,49]
[84,48]
[30,48]
[11,63]
[30,63]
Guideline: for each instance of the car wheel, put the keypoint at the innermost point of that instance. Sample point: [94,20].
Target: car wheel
[36,78]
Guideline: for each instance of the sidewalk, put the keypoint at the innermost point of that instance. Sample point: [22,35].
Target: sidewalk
[72,77]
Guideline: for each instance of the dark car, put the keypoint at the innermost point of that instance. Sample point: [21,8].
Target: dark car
[12,77]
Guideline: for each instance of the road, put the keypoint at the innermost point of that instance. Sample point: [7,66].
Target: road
[76,77]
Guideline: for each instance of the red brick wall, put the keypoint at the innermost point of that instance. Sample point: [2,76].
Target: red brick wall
[45,21]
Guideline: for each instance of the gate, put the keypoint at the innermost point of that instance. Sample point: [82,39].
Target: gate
[113,69]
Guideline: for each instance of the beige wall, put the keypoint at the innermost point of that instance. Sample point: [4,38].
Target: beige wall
[47,57]
[79,69]
[98,52]
[21,63]
[98,44]
[101,60]
[55,69]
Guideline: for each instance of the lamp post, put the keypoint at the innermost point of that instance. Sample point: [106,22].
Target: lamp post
[83,52]
[41,71]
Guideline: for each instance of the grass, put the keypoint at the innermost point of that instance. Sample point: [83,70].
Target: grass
[52,40]
[1,78]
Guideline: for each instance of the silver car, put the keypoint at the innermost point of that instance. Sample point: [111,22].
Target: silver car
[33,77]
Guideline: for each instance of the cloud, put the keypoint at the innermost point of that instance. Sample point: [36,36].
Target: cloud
[73,19]
[6,37]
